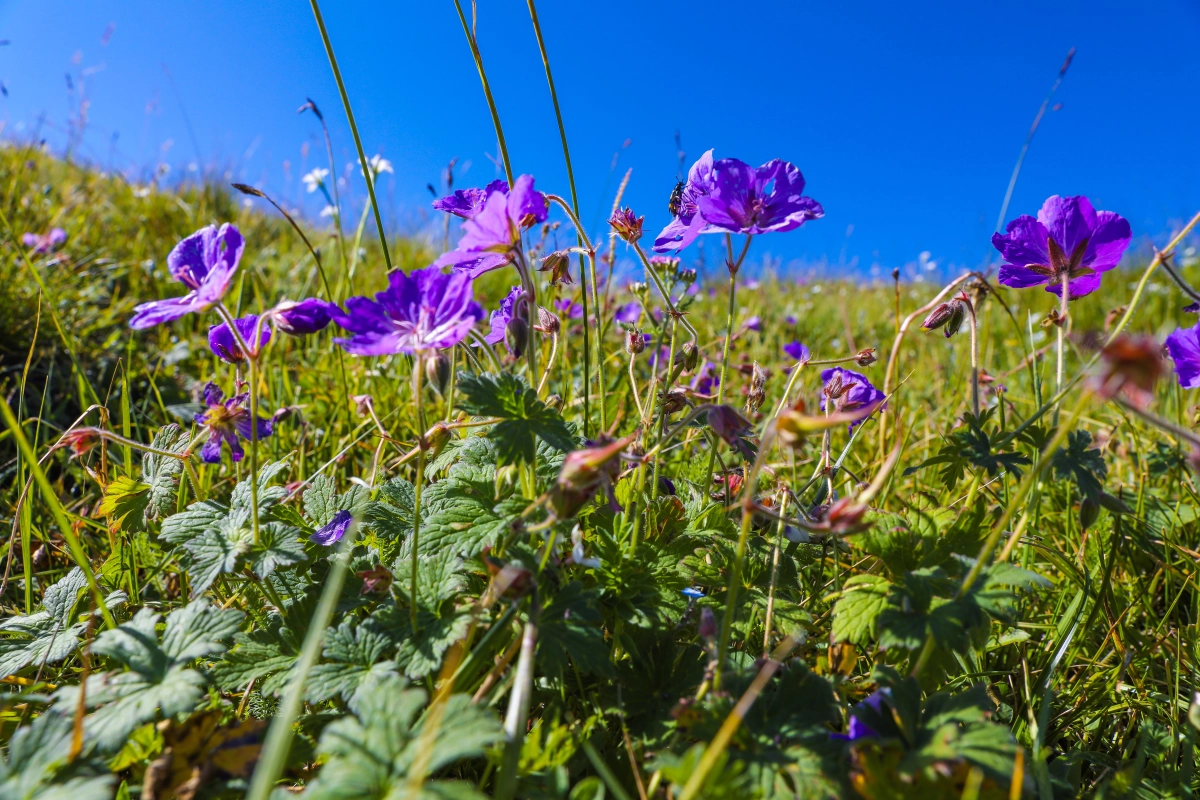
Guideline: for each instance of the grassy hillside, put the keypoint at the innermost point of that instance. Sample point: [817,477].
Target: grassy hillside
[1062,663]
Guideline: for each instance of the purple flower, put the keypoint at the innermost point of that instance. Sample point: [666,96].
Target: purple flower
[790,320]
[859,729]
[748,200]
[503,315]
[798,351]
[423,311]
[203,262]
[688,223]
[467,203]
[331,533]
[303,318]
[226,420]
[707,378]
[1184,346]
[626,224]
[848,391]
[1068,238]
[225,346]
[572,310]
[45,242]
[753,324]
[629,313]
[493,235]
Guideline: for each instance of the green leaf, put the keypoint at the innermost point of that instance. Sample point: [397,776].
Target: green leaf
[471,519]
[228,545]
[126,502]
[368,755]
[268,495]
[158,678]
[524,417]
[161,473]
[353,656]
[863,599]
[50,635]
[37,765]
[570,627]
[1082,463]
[322,502]
[420,654]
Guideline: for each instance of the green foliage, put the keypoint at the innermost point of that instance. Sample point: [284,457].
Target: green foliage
[973,445]
[523,417]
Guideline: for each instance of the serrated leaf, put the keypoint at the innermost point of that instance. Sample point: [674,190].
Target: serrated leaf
[864,598]
[471,519]
[126,501]
[524,417]
[268,495]
[570,627]
[35,756]
[1082,463]
[161,473]
[353,655]
[420,654]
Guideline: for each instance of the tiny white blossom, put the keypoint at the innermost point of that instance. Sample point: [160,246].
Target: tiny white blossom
[379,164]
[315,179]
[328,211]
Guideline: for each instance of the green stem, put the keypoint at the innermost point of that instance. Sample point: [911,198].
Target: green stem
[56,509]
[362,157]
[252,361]
[279,736]
[562,133]
[1062,335]
[418,375]
[487,91]
[662,407]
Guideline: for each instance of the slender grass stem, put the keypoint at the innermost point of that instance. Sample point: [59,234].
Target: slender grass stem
[362,156]
[418,402]
[1061,328]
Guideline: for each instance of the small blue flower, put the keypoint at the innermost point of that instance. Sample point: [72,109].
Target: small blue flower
[693,593]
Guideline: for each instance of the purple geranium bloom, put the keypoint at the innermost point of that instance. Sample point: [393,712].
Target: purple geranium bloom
[688,223]
[45,242]
[629,313]
[493,233]
[423,311]
[225,346]
[503,315]
[790,319]
[707,378]
[754,324]
[226,420]
[748,200]
[1184,347]
[1068,239]
[798,351]
[467,203]
[332,532]
[303,318]
[859,729]
[203,262]
[849,391]
[572,310]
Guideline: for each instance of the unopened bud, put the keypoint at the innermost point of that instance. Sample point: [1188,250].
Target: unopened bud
[865,357]
[516,335]
[950,315]
[435,439]
[362,403]
[756,394]
[635,341]
[687,276]
[674,401]
[555,401]
[548,322]
[638,289]
[558,264]
[437,370]
[80,440]
[689,356]
[707,629]
[626,224]
[668,265]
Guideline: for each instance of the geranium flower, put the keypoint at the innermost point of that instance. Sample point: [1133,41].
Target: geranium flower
[332,532]
[629,313]
[848,390]
[572,310]
[44,242]
[798,351]
[688,224]
[205,263]
[226,420]
[224,344]
[748,200]
[492,236]
[1184,346]
[1068,239]
[301,319]
[503,315]
[467,203]
[423,311]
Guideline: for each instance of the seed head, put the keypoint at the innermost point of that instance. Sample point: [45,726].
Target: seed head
[635,341]
[626,224]
[548,322]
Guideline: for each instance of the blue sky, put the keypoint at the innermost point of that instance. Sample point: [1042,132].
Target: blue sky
[905,118]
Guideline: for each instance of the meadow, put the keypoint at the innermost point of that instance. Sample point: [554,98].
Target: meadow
[556,514]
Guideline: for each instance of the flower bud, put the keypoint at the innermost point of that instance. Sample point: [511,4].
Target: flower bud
[639,289]
[674,401]
[555,401]
[635,341]
[707,629]
[756,395]
[687,276]
[689,356]
[668,265]
[363,404]
[732,427]
[435,439]
[1131,366]
[548,322]
[80,440]
[516,335]
[584,472]
[437,370]
[950,314]
[558,264]
[626,224]
[865,357]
